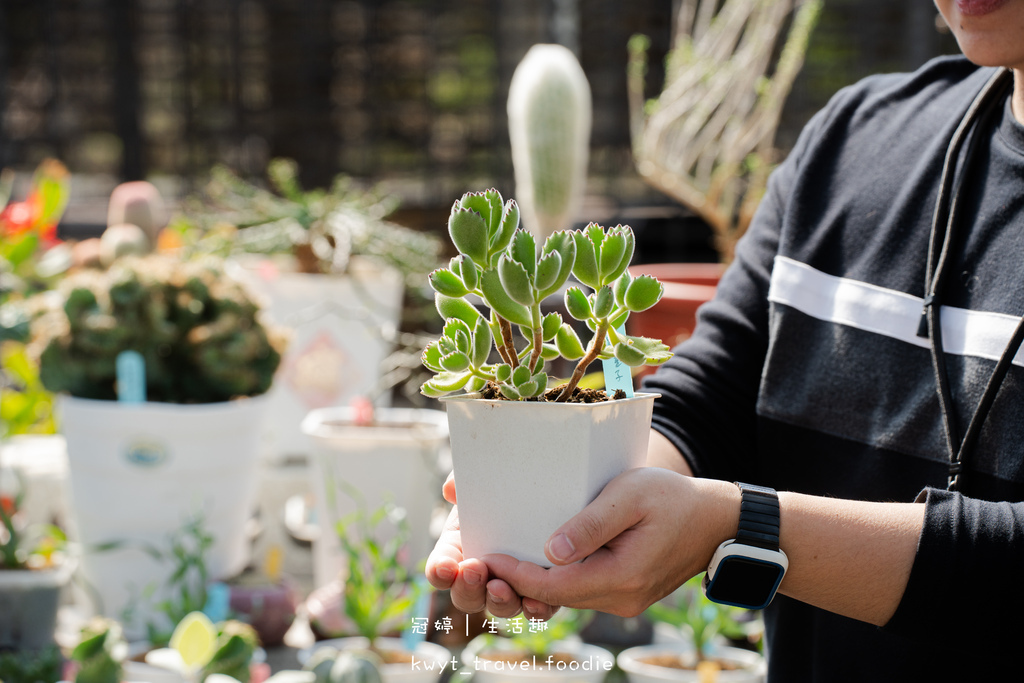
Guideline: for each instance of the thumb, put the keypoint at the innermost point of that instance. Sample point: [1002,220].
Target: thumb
[605,518]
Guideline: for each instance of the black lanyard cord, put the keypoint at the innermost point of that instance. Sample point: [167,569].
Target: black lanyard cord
[939,245]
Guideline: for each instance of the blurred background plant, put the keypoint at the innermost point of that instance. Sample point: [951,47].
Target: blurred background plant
[23,545]
[702,622]
[321,228]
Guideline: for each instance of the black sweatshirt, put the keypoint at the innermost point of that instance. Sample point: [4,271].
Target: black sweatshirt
[806,374]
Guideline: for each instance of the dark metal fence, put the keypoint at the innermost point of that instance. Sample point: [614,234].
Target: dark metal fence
[409,91]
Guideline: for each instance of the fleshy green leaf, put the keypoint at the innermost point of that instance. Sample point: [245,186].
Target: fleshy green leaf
[431,356]
[461,309]
[643,292]
[585,268]
[502,372]
[564,245]
[509,225]
[654,350]
[620,286]
[481,343]
[627,255]
[549,326]
[516,281]
[612,250]
[548,270]
[444,383]
[577,304]
[468,271]
[568,343]
[523,250]
[521,375]
[604,302]
[476,384]
[510,392]
[455,362]
[629,355]
[444,281]
[468,231]
[498,299]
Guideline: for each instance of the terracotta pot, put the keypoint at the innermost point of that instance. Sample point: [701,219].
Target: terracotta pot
[687,286]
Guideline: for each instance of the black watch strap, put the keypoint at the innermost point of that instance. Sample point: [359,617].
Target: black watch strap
[759,517]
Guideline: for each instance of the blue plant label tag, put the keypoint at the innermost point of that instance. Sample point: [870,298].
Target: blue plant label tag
[218,601]
[131,377]
[618,375]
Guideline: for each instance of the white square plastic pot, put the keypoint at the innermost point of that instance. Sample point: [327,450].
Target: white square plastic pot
[395,460]
[29,599]
[340,327]
[524,468]
[138,472]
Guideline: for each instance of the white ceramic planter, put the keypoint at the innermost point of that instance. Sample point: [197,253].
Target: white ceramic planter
[28,605]
[429,660]
[139,471]
[591,664]
[750,666]
[339,325]
[395,460]
[523,468]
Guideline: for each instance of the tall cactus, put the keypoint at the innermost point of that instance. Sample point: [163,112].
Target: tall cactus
[549,117]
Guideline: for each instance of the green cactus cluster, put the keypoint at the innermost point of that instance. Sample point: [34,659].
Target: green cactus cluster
[500,263]
[198,331]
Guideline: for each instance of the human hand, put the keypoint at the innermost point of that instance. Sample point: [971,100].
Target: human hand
[472,588]
[647,532]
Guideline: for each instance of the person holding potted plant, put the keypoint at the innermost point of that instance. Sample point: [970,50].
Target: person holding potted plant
[842,363]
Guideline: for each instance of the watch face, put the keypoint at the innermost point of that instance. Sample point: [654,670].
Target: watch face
[745,582]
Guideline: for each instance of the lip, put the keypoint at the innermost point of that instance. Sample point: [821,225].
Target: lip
[977,8]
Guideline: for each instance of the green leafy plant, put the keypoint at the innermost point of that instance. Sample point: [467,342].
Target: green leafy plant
[379,593]
[698,618]
[37,547]
[322,228]
[32,666]
[236,644]
[100,652]
[199,333]
[501,264]
[26,407]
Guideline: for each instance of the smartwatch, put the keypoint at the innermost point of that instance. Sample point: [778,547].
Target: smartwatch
[746,571]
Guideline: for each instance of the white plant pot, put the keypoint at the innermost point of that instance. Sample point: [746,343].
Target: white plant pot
[340,325]
[396,460]
[749,666]
[429,660]
[139,471]
[591,665]
[524,468]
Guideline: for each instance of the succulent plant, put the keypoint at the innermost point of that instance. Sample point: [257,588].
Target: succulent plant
[100,652]
[236,644]
[198,332]
[500,263]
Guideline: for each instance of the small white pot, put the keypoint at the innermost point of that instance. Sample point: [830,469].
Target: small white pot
[394,460]
[341,327]
[138,471]
[749,666]
[429,660]
[590,663]
[524,468]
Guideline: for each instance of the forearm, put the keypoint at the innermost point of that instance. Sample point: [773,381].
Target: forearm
[849,557]
[661,453]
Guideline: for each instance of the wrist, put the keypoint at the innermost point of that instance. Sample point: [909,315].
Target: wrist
[721,505]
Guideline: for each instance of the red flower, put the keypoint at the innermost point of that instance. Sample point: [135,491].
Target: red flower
[18,217]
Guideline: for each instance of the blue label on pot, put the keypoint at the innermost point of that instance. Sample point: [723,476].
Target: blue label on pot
[146,454]
[617,375]
[131,377]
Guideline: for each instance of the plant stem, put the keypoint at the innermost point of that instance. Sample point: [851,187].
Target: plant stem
[506,343]
[593,351]
[538,339]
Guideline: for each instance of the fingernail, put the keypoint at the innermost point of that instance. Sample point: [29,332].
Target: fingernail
[561,548]
[495,599]
[472,578]
[444,573]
